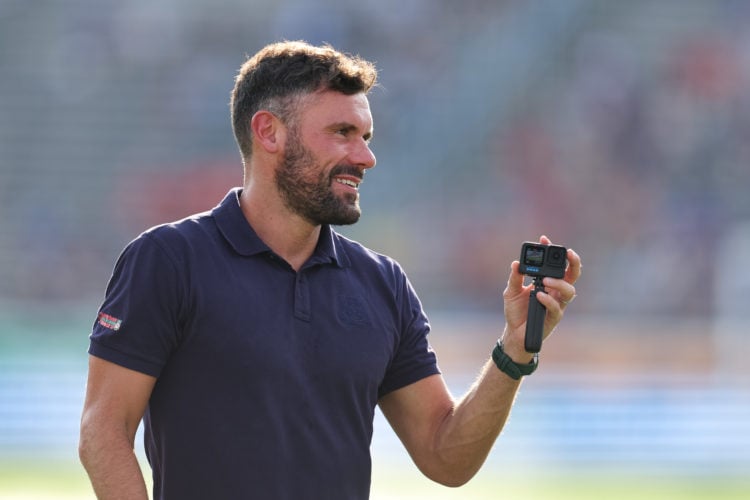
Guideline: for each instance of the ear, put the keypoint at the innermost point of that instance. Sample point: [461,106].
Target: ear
[269,133]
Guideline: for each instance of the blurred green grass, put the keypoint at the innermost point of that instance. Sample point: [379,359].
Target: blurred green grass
[394,477]
[64,480]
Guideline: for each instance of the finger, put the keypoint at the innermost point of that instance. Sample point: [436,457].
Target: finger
[573,272]
[553,306]
[515,274]
[515,280]
[544,240]
[561,290]
[568,301]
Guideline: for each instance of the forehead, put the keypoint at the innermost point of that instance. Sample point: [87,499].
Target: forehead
[321,109]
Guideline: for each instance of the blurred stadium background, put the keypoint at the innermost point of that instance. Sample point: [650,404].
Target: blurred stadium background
[621,129]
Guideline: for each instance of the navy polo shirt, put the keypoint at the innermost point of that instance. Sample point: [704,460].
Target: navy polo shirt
[267,378]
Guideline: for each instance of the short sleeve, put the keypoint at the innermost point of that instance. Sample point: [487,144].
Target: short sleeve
[414,358]
[138,323]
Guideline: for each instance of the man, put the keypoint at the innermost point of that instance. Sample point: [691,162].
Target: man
[255,342]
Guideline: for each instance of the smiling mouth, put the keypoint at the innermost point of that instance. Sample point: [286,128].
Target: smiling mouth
[349,182]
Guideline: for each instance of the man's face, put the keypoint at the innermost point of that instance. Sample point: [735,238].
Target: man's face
[325,158]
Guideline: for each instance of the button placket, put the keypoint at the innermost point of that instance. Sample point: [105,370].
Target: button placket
[302,297]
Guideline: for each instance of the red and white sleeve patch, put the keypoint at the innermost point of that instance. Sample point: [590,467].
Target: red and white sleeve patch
[110,322]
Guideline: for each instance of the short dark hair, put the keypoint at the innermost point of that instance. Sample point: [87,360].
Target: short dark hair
[280,73]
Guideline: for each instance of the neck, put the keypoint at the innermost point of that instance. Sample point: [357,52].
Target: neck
[289,236]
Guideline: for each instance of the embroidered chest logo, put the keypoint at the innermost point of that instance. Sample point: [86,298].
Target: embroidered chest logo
[110,322]
[352,310]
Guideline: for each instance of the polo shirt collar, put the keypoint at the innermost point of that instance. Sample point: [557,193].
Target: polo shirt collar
[245,241]
[329,249]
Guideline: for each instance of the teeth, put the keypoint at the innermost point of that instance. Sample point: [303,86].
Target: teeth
[348,182]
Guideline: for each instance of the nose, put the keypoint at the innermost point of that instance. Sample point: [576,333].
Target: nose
[363,155]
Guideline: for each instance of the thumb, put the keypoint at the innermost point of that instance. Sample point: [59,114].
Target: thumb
[515,281]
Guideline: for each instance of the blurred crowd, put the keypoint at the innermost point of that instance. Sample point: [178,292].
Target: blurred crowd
[617,128]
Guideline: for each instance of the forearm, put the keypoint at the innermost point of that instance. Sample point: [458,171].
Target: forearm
[466,435]
[112,467]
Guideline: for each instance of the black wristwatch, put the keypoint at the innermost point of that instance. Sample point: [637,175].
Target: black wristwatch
[511,368]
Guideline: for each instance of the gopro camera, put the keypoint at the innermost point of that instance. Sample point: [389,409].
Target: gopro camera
[539,261]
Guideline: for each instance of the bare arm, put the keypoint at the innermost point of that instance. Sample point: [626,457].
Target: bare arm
[116,399]
[450,440]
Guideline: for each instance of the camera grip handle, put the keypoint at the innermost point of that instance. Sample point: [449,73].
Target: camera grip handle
[534,322]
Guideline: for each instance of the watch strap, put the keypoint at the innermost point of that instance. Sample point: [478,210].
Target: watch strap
[509,367]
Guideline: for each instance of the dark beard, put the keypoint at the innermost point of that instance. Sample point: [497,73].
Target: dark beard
[314,199]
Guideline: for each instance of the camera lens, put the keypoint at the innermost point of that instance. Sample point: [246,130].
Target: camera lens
[557,256]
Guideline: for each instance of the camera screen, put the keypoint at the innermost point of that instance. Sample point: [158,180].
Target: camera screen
[534,256]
